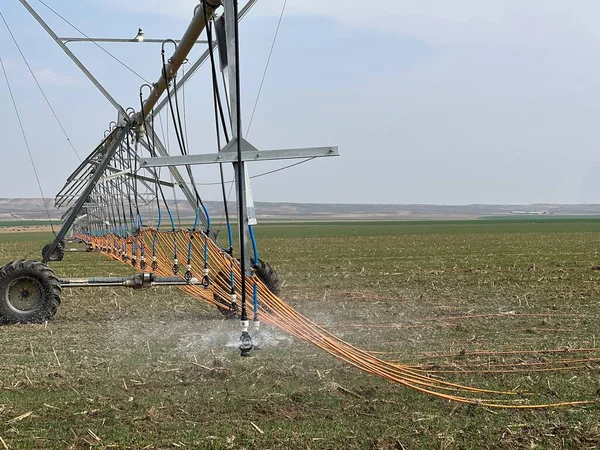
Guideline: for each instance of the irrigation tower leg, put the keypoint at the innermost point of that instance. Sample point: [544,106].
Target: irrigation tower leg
[119,135]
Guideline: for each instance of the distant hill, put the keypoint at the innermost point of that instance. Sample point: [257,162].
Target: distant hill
[33,208]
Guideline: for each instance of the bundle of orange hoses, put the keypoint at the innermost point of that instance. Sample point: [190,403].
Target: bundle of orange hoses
[275,311]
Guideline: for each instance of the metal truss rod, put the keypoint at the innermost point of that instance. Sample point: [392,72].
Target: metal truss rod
[112,148]
[179,180]
[70,54]
[128,173]
[66,40]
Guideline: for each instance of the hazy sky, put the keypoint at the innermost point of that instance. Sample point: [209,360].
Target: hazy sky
[429,101]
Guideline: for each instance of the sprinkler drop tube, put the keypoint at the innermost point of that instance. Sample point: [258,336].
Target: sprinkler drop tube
[255,321]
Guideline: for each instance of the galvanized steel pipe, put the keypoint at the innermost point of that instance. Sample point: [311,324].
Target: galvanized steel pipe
[184,47]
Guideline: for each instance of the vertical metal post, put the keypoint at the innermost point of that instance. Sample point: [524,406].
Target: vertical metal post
[240,167]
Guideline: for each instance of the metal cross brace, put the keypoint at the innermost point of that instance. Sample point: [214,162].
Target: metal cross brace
[249,153]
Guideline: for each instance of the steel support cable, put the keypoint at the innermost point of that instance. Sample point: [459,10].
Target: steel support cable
[35,172]
[95,43]
[269,172]
[282,315]
[31,72]
[264,75]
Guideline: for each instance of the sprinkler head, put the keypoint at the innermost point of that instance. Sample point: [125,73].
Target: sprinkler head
[245,344]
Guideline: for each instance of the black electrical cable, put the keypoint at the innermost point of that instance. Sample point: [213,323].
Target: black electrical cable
[179,131]
[218,108]
[152,150]
[184,150]
[215,84]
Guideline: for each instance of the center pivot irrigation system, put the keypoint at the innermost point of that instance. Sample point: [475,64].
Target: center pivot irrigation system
[117,206]
[118,187]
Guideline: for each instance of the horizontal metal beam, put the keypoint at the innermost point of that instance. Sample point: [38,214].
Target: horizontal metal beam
[248,156]
[80,250]
[66,40]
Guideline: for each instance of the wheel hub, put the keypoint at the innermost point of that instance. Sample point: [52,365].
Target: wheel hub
[24,294]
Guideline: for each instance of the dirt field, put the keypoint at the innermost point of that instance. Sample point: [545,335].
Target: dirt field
[157,369]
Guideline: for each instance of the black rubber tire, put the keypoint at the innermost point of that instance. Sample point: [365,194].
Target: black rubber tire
[58,254]
[268,276]
[29,293]
[265,273]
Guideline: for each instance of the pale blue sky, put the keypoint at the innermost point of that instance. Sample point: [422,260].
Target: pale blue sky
[430,102]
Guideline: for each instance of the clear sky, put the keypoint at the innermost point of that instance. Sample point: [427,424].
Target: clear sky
[430,101]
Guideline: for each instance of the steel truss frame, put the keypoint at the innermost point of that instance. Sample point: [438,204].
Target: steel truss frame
[115,165]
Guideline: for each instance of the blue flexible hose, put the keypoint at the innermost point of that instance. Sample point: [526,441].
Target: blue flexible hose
[254,248]
[255,299]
